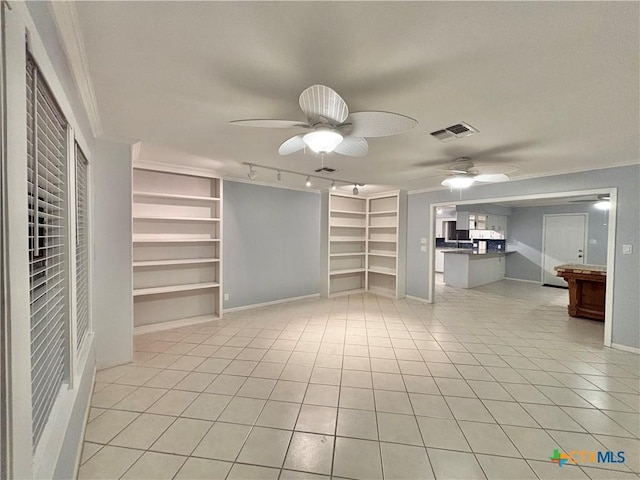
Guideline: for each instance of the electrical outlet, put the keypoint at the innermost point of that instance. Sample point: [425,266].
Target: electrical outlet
[423,248]
[627,249]
[226,297]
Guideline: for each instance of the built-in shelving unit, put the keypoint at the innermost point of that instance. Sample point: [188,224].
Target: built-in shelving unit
[177,246]
[363,244]
[344,244]
[386,244]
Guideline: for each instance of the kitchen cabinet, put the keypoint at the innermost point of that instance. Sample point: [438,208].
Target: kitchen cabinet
[462,220]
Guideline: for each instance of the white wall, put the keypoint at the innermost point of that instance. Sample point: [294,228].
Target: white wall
[112,273]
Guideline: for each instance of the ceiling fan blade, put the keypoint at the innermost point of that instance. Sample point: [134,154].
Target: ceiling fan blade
[494,169]
[321,101]
[379,124]
[292,145]
[452,170]
[492,178]
[353,147]
[271,123]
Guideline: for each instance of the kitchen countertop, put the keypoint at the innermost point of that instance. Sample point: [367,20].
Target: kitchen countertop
[476,255]
[582,268]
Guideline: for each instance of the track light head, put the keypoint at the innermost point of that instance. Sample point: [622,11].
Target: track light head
[308,182]
[333,185]
[355,190]
[252,173]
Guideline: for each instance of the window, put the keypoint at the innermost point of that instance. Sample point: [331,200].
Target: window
[82,247]
[48,262]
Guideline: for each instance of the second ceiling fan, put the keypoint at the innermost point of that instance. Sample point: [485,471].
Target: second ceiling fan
[331,127]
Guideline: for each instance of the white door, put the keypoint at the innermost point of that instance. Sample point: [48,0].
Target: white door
[563,242]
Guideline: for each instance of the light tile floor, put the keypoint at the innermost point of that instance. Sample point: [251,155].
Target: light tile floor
[485,383]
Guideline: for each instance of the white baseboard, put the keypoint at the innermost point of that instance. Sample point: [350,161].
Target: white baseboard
[626,348]
[418,299]
[537,282]
[183,322]
[267,304]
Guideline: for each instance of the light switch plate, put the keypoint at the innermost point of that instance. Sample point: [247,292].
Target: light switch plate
[423,241]
[593,241]
[226,296]
[627,249]
[423,248]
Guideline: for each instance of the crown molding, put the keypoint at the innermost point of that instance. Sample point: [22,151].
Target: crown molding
[65,17]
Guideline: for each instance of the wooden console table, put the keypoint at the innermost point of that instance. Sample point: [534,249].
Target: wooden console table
[586,289]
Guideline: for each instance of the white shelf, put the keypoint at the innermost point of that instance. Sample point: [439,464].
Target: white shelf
[376,254]
[386,212]
[349,212]
[382,226]
[383,271]
[173,196]
[336,225]
[173,288]
[346,271]
[348,239]
[382,241]
[177,219]
[185,261]
[175,240]
[353,254]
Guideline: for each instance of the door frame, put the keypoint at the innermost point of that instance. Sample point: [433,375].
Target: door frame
[611,240]
[544,237]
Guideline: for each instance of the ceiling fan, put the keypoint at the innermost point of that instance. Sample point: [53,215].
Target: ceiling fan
[462,173]
[332,127]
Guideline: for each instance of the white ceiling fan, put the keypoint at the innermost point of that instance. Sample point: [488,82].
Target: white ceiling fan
[332,127]
[462,173]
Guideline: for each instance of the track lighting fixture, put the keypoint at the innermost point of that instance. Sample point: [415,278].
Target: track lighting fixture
[253,174]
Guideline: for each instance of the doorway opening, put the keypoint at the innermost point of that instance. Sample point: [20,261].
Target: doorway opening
[602,245]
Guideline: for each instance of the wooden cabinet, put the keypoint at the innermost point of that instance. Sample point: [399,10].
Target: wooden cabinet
[177,246]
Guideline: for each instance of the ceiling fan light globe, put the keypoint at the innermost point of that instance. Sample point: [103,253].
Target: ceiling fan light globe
[323,140]
[458,181]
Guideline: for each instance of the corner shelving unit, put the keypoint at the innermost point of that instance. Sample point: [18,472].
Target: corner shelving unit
[344,233]
[363,247]
[386,244]
[177,246]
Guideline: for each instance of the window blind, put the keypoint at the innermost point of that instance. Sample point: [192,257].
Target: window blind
[48,270]
[82,247]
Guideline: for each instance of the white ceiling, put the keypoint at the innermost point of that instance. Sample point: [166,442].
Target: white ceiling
[552,87]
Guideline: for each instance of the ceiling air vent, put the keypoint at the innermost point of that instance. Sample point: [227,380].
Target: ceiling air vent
[326,170]
[458,130]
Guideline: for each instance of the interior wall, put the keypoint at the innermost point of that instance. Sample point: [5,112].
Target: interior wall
[112,275]
[524,236]
[626,328]
[271,242]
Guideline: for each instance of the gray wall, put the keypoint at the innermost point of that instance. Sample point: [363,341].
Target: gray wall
[524,235]
[626,327]
[271,243]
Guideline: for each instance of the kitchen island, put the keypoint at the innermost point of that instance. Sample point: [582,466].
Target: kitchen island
[466,269]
